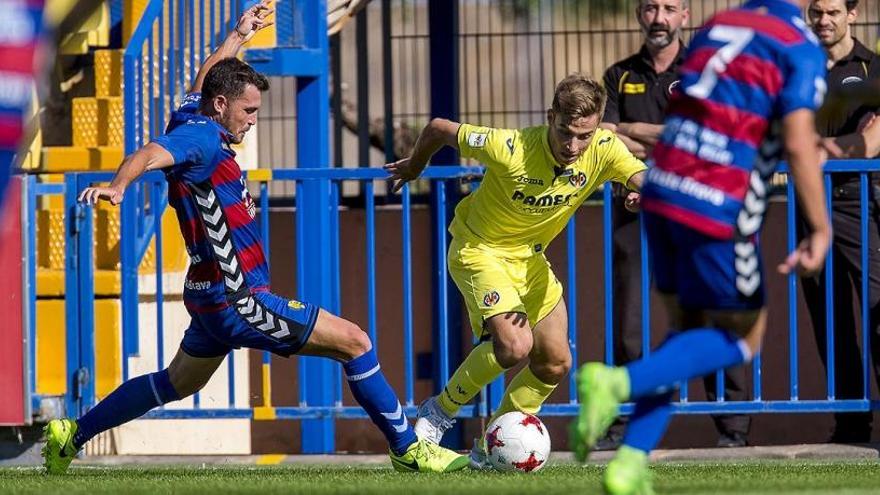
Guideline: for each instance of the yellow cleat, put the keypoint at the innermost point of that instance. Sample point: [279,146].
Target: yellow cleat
[59,450]
[425,457]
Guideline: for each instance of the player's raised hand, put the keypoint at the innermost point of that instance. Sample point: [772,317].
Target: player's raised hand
[254,19]
[807,259]
[402,171]
[633,202]
[91,195]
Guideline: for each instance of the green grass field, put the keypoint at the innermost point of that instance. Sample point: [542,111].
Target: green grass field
[773,477]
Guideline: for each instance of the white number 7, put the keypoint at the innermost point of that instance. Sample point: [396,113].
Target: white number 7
[736,39]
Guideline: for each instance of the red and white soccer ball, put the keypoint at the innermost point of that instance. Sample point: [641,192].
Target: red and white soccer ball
[517,442]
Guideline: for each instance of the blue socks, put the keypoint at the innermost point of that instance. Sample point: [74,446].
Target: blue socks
[685,355]
[648,422]
[375,395]
[129,401]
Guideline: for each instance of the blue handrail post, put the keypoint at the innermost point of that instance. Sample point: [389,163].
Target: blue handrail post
[71,292]
[79,300]
[313,151]
[447,334]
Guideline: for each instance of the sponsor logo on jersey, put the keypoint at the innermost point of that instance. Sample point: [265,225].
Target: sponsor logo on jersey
[193,285]
[295,305]
[673,85]
[477,139]
[604,140]
[578,180]
[528,180]
[545,200]
[491,298]
[851,80]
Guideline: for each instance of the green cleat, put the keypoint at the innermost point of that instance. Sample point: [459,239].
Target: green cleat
[426,457]
[59,450]
[628,473]
[601,389]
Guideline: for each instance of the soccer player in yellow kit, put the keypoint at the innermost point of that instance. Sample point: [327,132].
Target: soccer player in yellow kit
[535,179]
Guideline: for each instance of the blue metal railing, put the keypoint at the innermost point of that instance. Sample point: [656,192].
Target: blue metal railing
[167,41]
[81,324]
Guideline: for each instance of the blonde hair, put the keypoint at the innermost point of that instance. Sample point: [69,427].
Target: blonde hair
[579,96]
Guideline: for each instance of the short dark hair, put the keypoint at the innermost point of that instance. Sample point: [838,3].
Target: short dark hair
[229,77]
[851,4]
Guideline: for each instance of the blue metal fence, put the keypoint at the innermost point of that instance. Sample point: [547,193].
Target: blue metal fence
[80,290]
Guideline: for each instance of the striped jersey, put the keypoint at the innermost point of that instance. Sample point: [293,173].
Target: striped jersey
[214,209]
[21,27]
[745,70]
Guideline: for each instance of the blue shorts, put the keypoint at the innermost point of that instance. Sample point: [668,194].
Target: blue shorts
[704,272]
[259,321]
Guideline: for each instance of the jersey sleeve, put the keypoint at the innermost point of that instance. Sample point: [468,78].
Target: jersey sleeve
[805,85]
[191,145]
[491,147]
[611,81]
[619,163]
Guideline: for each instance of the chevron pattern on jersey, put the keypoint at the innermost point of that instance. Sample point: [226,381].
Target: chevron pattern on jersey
[262,319]
[219,235]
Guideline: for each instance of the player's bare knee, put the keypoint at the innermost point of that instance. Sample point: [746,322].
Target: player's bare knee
[513,350]
[355,342]
[552,372]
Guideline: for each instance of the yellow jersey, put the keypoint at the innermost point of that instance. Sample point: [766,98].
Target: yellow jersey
[526,198]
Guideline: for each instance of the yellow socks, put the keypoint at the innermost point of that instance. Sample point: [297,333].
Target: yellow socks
[525,393]
[478,369]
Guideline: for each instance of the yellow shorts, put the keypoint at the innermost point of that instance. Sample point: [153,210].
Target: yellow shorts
[492,285]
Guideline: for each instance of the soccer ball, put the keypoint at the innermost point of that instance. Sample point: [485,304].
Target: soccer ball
[517,442]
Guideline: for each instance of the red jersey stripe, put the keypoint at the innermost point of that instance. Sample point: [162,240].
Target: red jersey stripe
[745,68]
[728,120]
[732,180]
[767,25]
[694,220]
[251,257]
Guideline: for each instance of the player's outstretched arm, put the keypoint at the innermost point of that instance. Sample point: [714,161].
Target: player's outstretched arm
[251,21]
[438,133]
[150,157]
[805,163]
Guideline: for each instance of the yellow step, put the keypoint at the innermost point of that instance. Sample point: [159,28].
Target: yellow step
[57,159]
[51,366]
[50,282]
[98,121]
[108,73]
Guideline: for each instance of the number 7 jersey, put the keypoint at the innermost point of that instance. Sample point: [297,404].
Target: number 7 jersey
[745,70]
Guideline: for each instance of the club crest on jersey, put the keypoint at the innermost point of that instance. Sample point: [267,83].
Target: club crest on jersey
[578,180]
[247,200]
[491,298]
[477,139]
[295,305]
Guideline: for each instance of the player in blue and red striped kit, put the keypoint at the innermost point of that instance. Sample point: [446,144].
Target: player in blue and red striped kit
[20,31]
[227,286]
[750,85]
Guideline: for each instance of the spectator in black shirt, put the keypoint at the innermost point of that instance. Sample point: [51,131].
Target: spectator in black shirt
[849,63]
[638,89]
